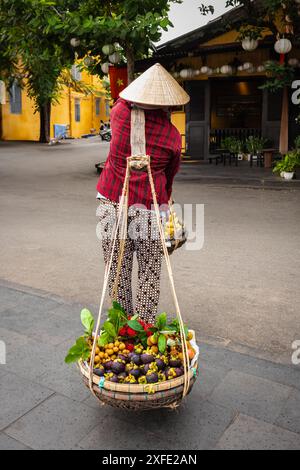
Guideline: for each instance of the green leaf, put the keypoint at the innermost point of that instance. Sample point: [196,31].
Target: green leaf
[162,343]
[162,321]
[72,358]
[110,329]
[80,350]
[135,325]
[87,320]
[104,339]
[117,306]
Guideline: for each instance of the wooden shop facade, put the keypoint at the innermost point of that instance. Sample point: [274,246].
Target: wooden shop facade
[224,83]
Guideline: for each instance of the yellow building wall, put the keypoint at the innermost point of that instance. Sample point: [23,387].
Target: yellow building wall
[178,119]
[26,126]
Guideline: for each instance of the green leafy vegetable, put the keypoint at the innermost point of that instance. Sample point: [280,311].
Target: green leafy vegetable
[161,321]
[110,329]
[135,325]
[162,343]
[88,321]
[80,350]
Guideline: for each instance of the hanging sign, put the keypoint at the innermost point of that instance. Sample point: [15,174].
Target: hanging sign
[118,80]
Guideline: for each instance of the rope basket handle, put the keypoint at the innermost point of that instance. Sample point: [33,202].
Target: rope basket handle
[120,230]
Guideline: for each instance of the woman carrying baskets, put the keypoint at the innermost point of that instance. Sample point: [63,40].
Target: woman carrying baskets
[140,126]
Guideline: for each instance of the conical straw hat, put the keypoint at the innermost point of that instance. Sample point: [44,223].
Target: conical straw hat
[155,87]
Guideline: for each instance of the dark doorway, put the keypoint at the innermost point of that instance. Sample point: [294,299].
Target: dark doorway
[197,119]
[236,109]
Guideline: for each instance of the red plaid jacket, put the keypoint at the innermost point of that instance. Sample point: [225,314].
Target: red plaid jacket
[163,144]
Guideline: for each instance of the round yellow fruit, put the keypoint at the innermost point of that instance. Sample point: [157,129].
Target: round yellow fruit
[116,349]
[110,352]
[122,346]
[153,339]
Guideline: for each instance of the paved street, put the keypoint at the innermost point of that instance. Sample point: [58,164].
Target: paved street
[241,290]
[240,294]
[238,402]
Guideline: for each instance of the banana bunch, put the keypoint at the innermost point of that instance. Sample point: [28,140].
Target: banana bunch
[172,226]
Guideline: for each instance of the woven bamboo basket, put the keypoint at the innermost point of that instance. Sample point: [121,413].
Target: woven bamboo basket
[138,397]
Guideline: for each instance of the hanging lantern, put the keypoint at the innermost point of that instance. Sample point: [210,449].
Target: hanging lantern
[247,66]
[240,68]
[210,71]
[226,70]
[283,46]
[115,57]
[204,69]
[75,42]
[108,49]
[197,73]
[176,75]
[105,67]
[261,68]
[293,62]
[249,44]
[186,73]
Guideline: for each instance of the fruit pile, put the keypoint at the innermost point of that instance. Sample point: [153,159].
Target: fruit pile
[129,350]
[126,362]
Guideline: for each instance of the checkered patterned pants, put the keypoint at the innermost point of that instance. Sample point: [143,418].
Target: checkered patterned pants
[142,238]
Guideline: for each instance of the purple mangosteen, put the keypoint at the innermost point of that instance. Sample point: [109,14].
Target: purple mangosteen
[152,378]
[135,372]
[147,358]
[136,359]
[117,367]
[99,372]
[160,364]
[107,365]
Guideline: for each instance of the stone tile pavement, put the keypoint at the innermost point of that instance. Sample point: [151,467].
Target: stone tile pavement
[239,401]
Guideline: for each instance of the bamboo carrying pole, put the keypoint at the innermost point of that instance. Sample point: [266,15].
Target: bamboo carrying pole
[138,161]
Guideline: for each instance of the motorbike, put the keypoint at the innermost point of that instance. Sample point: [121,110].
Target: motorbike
[105,134]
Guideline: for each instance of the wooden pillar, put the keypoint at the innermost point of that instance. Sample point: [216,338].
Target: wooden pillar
[284,124]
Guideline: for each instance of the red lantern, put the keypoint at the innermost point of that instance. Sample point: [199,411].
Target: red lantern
[118,80]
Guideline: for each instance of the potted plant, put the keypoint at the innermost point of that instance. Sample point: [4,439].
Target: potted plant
[232,144]
[249,37]
[254,146]
[286,167]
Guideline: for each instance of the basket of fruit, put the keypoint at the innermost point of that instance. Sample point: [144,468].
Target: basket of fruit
[175,232]
[136,365]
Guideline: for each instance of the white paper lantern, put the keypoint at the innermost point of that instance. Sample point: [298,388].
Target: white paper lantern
[115,57]
[283,46]
[293,62]
[105,67]
[249,44]
[226,69]
[240,68]
[176,74]
[197,73]
[247,66]
[108,49]
[210,71]
[186,73]
[75,42]
[261,68]
[204,69]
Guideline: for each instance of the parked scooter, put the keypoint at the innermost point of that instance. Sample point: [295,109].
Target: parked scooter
[105,134]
